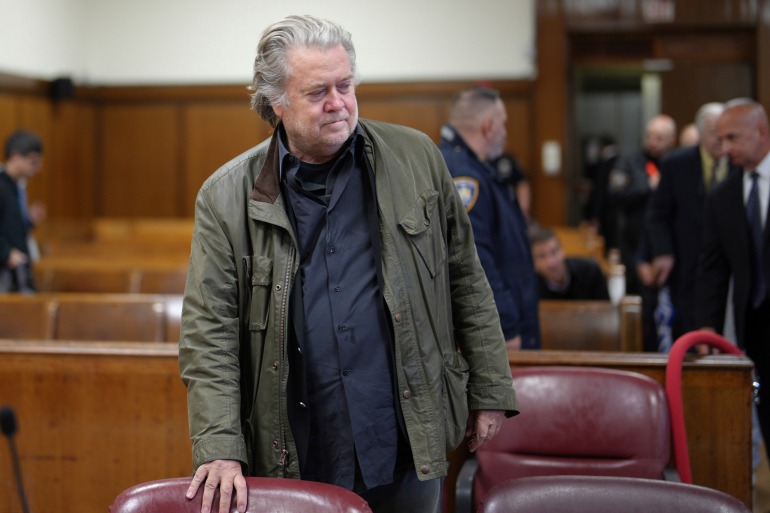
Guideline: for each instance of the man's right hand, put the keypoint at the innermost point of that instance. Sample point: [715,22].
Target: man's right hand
[225,474]
[662,266]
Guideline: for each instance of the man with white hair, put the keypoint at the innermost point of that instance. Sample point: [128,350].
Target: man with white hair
[337,325]
[675,221]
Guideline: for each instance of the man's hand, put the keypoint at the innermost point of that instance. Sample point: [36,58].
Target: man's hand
[705,349]
[661,268]
[16,258]
[225,474]
[513,344]
[483,426]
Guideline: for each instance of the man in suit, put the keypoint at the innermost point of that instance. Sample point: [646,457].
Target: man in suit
[675,215]
[736,244]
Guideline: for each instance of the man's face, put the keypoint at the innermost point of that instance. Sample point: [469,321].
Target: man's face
[321,110]
[24,166]
[742,139]
[497,133]
[549,260]
[659,137]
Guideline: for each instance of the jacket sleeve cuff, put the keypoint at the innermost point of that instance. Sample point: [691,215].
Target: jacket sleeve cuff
[497,397]
[220,448]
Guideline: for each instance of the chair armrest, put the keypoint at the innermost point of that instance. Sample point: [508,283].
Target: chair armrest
[464,486]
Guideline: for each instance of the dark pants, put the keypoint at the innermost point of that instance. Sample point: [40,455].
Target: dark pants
[406,494]
[758,349]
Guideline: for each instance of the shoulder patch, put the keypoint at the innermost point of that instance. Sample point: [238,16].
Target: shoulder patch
[468,188]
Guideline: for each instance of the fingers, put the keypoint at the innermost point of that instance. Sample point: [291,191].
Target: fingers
[487,426]
[197,479]
[241,493]
[221,474]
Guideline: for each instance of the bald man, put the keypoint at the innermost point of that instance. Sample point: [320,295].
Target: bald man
[631,183]
[735,242]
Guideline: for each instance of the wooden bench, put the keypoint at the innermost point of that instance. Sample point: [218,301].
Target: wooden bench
[95,317]
[591,325]
[111,276]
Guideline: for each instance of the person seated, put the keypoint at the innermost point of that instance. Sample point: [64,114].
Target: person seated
[561,277]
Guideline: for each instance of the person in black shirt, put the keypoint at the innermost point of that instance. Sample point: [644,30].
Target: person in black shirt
[561,277]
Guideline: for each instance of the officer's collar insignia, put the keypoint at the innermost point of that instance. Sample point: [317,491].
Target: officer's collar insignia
[468,188]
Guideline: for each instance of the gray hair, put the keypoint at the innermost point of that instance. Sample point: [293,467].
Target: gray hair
[271,66]
[706,112]
[469,106]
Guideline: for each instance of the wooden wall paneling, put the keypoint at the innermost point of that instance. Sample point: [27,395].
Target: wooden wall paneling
[550,113]
[73,152]
[216,132]
[138,160]
[425,115]
[519,128]
[762,58]
[8,118]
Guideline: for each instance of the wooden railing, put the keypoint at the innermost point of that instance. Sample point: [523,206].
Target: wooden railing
[96,418]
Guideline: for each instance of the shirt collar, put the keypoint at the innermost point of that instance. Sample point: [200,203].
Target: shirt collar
[287,161]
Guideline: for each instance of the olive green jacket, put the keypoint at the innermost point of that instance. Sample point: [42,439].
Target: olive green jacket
[244,260]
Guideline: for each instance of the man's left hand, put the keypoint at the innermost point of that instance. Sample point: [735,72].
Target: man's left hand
[483,426]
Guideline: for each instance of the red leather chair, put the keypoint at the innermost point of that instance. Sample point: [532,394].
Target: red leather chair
[574,420]
[605,494]
[266,495]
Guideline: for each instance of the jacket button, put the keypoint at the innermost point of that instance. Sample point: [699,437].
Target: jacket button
[424,470]
[407,394]
[302,405]
[277,287]
[275,443]
[275,365]
[397,317]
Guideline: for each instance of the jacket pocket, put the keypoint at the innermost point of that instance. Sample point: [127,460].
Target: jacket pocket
[455,400]
[261,281]
[424,230]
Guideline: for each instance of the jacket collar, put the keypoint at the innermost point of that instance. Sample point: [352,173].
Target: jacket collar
[267,186]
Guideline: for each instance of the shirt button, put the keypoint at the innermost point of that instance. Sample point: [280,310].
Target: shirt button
[302,405]
[332,249]
[337,288]
[342,327]
[424,470]
[345,372]
[407,394]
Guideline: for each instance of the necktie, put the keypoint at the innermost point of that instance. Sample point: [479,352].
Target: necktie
[754,217]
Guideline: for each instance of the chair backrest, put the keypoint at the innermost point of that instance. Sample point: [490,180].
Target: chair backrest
[605,494]
[266,495]
[87,279]
[25,317]
[591,325]
[163,281]
[579,420]
[105,317]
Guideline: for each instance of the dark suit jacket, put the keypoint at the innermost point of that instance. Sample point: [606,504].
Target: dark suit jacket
[725,252]
[675,224]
